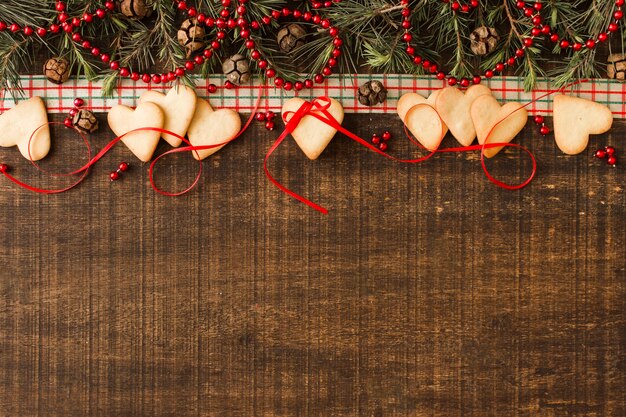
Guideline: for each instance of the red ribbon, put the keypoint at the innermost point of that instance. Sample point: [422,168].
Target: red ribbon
[318,108]
[84,170]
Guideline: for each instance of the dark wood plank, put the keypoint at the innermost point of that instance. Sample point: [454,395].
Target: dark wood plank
[427,291]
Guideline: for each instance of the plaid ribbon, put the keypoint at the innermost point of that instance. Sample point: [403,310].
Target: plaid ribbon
[60,98]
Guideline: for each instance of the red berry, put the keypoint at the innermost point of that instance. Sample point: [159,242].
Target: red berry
[386,136]
[609,150]
[383,146]
[611,160]
[545,130]
[600,154]
[79,102]
[269,115]
[123,166]
[73,112]
[269,125]
[4,168]
[539,119]
[68,123]
[114,176]
[212,88]
[375,139]
[260,117]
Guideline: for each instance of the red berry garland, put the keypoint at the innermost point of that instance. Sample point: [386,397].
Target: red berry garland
[222,24]
[531,10]
[271,72]
[228,21]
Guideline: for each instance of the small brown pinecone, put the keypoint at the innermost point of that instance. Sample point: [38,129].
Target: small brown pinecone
[483,40]
[135,9]
[372,93]
[237,69]
[191,36]
[616,67]
[57,70]
[290,37]
[85,121]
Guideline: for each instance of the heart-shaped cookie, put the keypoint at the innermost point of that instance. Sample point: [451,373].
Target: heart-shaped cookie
[18,125]
[312,135]
[510,119]
[123,119]
[454,108]
[178,107]
[421,118]
[210,127]
[575,119]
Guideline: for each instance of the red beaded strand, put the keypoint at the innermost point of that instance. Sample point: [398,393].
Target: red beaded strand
[531,10]
[226,22]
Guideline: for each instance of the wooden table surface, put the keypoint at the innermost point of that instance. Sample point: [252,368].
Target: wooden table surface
[427,290]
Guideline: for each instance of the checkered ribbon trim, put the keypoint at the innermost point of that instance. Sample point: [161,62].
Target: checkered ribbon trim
[59,99]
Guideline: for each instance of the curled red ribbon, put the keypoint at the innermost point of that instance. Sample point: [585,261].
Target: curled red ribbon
[318,108]
[84,170]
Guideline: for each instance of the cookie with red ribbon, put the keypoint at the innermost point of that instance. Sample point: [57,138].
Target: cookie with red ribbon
[312,134]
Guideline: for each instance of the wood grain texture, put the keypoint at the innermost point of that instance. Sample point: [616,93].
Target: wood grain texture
[427,291]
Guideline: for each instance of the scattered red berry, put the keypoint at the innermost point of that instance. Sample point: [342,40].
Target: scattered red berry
[545,130]
[212,88]
[260,117]
[68,123]
[383,146]
[610,150]
[600,154]
[123,166]
[611,160]
[79,102]
[375,139]
[539,119]
[4,168]
[269,115]
[114,176]
[386,136]
[269,125]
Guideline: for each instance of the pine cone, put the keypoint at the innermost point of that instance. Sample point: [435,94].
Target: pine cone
[135,9]
[484,40]
[372,93]
[191,36]
[57,70]
[616,68]
[85,121]
[237,69]
[290,37]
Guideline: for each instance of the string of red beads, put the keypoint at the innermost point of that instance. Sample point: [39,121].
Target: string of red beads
[222,24]
[227,22]
[531,10]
